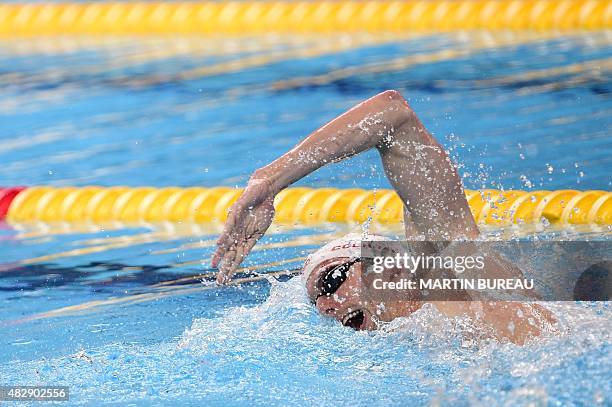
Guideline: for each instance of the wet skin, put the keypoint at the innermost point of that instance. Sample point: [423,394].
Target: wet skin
[349,304]
[425,179]
[417,166]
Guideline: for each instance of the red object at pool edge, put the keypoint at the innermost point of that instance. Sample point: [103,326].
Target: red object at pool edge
[6,197]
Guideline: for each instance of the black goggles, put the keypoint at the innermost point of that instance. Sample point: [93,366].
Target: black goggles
[332,278]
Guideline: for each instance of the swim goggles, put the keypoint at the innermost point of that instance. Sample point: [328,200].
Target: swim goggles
[332,278]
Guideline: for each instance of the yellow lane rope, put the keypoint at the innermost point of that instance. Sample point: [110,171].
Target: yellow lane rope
[303,206]
[254,17]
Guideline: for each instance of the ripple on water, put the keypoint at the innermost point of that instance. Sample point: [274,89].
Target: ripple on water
[282,351]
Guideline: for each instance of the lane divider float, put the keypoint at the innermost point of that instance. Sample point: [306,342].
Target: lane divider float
[303,206]
[301,17]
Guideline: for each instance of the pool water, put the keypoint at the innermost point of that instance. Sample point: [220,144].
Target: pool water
[127,314]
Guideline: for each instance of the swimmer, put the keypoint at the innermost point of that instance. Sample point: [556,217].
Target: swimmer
[435,209]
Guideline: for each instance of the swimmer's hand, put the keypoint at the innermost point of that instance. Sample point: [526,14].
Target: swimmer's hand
[248,219]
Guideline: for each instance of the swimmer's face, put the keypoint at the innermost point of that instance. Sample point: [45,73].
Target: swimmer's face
[337,289]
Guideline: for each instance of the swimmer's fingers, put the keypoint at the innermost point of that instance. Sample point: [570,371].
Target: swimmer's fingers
[233,258]
[226,249]
[230,264]
[223,245]
[219,252]
[243,251]
[244,227]
[228,236]
[225,257]
[225,272]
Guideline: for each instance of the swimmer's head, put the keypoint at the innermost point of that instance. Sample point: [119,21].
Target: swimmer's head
[348,246]
[332,276]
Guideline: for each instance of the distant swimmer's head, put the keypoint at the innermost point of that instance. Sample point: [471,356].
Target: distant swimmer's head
[332,276]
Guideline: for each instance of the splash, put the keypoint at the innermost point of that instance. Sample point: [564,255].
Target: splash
[283,352]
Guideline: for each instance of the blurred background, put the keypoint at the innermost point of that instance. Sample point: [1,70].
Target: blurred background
[169,96]
[201,95]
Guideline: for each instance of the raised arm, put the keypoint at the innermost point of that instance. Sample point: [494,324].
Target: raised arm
[416,165]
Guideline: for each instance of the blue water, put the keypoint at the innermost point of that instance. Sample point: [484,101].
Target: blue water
[121,315]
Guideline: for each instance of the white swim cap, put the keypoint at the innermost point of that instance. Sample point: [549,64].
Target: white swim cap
[347,246]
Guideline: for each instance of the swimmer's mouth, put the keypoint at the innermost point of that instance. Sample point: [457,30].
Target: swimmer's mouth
[355,320]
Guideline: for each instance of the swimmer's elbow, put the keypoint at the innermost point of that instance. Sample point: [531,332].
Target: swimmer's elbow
[392,95]
[399,109]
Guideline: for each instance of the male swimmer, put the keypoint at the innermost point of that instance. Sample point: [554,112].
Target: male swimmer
[435,209]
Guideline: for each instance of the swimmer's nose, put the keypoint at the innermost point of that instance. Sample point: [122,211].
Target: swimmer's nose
[327,305]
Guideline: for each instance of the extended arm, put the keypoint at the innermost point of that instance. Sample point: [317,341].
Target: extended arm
[415,163]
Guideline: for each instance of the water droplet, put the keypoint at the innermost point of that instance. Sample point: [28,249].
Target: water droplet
[526,181]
